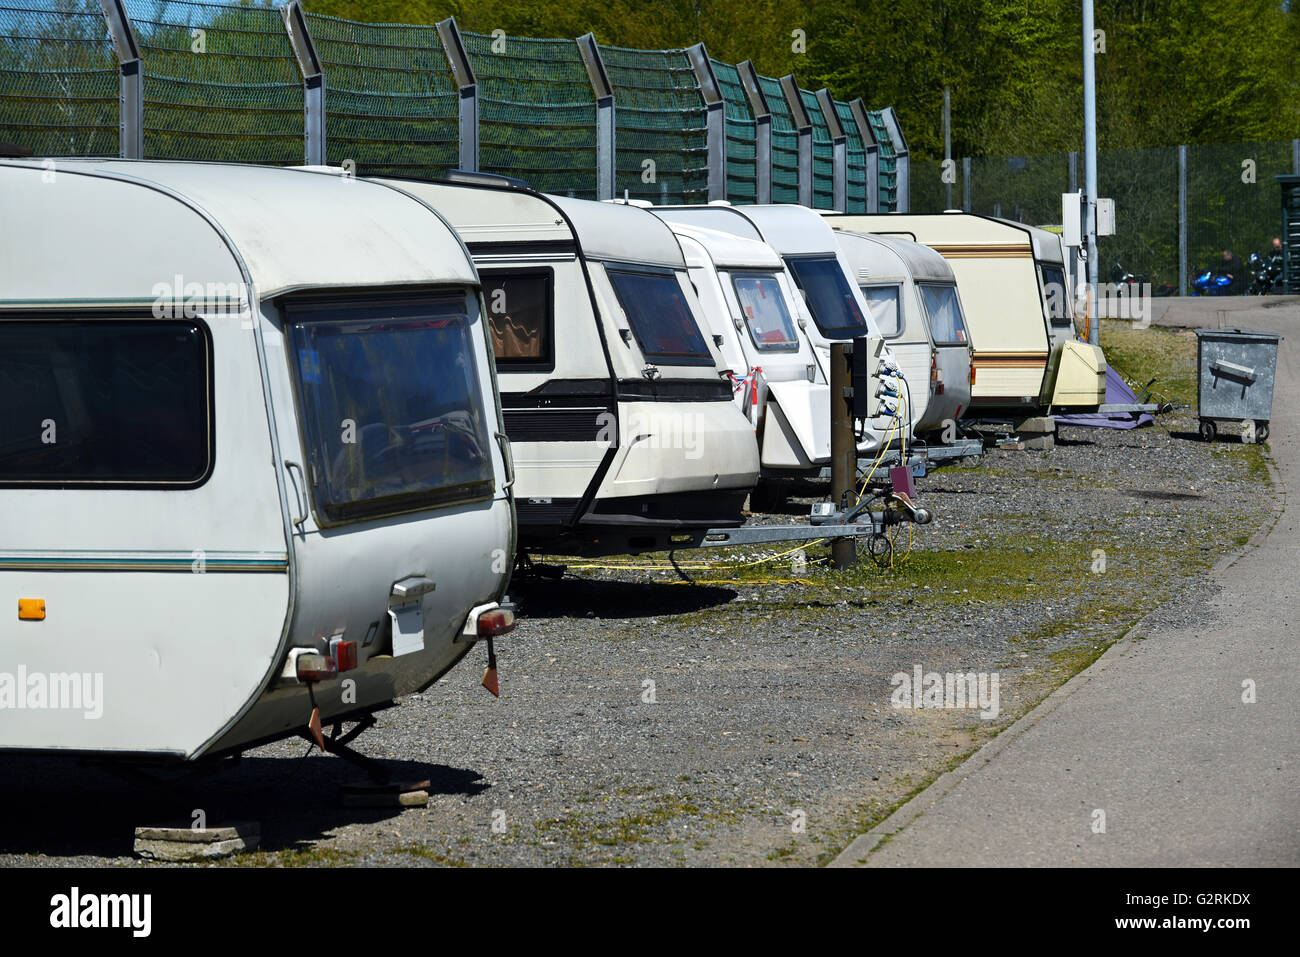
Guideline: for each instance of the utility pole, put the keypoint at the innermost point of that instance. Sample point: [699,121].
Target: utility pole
[1090,165]
[947,146]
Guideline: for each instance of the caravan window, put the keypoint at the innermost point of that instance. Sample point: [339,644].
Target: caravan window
[1055,295]
[766,315]
[392,410]
[947,325]
[661,317]
[883,303]
[830,298]
[106,403]
[521,319]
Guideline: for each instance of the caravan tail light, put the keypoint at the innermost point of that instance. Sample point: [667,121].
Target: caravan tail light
[972,372]
[498,621]
[316,668]
[936,375]
[345,653]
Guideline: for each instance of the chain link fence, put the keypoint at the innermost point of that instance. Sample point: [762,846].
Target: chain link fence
[1232,202]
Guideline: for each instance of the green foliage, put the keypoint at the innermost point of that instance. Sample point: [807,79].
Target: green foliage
[1173,71]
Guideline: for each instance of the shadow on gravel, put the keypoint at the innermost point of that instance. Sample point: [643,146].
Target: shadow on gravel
[67,808]
[585,598]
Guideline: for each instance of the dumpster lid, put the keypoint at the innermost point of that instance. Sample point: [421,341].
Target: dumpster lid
[1240,334]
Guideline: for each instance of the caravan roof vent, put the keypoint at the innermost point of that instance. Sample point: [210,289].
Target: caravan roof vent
[465,177]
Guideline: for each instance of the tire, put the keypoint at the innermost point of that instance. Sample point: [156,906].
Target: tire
[1261,433]
[1208,430]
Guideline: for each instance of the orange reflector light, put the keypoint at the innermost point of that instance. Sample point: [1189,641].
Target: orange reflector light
[498,621]
[31,609]
[316,668]
[345,653]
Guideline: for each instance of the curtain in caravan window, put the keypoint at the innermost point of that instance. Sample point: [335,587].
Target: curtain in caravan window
[519,318]
[947,326]
[769,322]
[883,303]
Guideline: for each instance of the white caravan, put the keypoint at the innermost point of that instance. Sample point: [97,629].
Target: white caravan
[250,443]
[913,299]
[832,308]
[751,304]
[1025,355]
[616,399]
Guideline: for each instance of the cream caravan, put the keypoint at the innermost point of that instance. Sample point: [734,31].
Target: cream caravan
[1024,353]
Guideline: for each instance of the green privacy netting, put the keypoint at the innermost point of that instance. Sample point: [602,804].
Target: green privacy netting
[823,153]
[855,181]
[888,163]
[58,78]
[391,105]
[785,143]
[742,181]
[537,112]
[659,119]
[220,82]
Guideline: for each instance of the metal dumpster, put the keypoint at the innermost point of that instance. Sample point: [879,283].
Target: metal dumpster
[1235,369]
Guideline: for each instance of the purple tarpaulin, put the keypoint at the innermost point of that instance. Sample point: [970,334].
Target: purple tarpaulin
[1117,391]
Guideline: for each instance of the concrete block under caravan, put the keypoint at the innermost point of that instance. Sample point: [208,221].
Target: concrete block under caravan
[268,411]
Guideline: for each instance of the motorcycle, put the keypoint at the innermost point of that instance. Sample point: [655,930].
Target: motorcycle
[1266,273]
[1210,283]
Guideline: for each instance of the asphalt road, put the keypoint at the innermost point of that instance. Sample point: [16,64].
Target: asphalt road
[1151,757]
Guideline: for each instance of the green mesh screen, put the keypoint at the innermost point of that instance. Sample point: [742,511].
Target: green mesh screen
[659,115]
[823,153]
[742,181]
[537,112]
[785,143]
[391,105]
[856,155]
[220,82]
[887,177]
[1223,210]
[58,78]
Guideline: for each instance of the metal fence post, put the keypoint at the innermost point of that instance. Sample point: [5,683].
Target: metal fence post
[903,160]
[313,83]
[1295,157]
[1182,220]
[803,126]
[1074,170]
[872,160]
[606,144]
[467,85]
[715,120]
[967,185]
[762,131]
[130,80]
[839,152]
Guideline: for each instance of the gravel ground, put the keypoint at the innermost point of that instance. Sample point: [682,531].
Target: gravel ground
[770,737]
